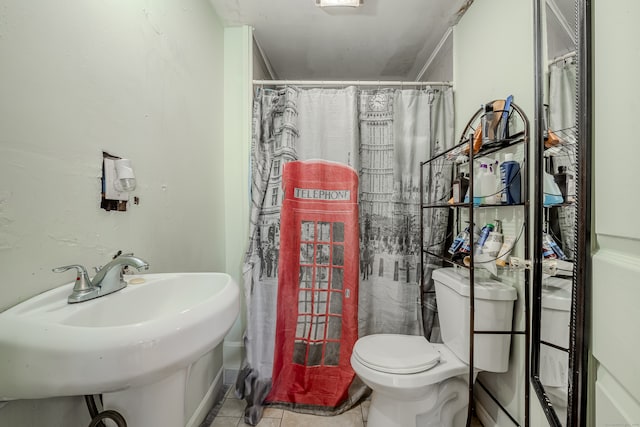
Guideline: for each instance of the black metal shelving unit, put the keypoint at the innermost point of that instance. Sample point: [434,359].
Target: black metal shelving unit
[466,139]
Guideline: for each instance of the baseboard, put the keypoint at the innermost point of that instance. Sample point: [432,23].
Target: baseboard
[230,376]
[232,354]
[207,401]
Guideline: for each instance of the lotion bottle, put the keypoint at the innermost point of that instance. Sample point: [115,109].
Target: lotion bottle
[505,251]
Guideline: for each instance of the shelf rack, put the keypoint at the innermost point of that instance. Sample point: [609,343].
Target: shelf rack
[466,139]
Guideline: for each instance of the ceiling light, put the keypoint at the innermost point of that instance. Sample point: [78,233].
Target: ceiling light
[331,3]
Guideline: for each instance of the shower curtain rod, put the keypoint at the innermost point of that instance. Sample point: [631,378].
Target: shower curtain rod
[346,83]
[563,57]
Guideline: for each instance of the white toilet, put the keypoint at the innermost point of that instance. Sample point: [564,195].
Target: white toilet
[416,383]
[554,329]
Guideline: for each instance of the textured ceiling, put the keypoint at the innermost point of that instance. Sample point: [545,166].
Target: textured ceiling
[381,40]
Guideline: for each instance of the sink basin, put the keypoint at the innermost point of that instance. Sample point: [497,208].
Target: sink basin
[132,338]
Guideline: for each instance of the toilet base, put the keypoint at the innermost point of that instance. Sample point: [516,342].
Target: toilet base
[436,409]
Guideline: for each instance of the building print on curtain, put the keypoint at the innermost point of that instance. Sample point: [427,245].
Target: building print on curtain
[381,134]
[397,130]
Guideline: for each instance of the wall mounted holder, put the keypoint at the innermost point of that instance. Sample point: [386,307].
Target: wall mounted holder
[118,181]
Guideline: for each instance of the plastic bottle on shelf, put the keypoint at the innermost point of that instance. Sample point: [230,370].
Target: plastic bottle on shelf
[510,180]
[549,242]
[484,235]
[494,241]
[565,183]
[492,187]
[459,241]
[505,251]
[478,190]
[465,249]
[552,194]
[460,186]
[489,123]
[487,189]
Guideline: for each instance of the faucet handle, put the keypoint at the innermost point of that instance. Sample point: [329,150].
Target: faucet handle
[119,253]
[82,277]
[78,267]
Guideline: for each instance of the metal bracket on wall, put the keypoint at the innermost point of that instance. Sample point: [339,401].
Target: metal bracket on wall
[550,267]
[519,263]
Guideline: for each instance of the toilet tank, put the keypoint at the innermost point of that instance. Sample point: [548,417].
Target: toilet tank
[556,306]
[493,312]
[554,329]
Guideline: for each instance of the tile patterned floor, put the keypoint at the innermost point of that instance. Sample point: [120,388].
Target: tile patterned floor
[229,413]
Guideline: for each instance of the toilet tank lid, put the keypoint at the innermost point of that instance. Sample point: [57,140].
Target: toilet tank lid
[484,289]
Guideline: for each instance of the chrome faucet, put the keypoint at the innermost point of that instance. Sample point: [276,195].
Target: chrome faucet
[108,279]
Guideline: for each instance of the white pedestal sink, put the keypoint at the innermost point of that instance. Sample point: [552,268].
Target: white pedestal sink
[134,346]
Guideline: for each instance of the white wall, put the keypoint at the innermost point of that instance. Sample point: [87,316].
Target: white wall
[440,66]
[139,79]
[260,69]
[238,69]
[616,261]
[493,54]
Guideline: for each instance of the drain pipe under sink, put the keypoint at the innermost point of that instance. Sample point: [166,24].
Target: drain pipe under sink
[97,416]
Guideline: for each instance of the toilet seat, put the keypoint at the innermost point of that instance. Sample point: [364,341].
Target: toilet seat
[396,354]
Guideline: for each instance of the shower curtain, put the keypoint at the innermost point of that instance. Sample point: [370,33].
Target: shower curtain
[562,119]
[312,150]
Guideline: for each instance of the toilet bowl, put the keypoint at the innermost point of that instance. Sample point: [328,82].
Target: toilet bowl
[410,386]
[417,383]
[558,399]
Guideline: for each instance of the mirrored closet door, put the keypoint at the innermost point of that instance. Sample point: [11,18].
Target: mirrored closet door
[561,210]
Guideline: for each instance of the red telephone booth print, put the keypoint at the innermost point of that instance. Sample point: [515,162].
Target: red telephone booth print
[317,323]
